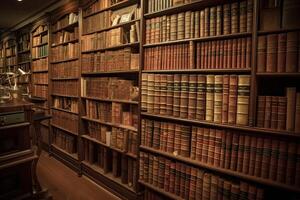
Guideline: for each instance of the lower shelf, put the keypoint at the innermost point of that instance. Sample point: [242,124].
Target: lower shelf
[71,160]
[108,181]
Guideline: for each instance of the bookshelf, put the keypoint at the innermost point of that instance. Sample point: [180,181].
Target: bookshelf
[2,57]
[185,41]
[39,37]
[65,83]
[110,62]
[10,53]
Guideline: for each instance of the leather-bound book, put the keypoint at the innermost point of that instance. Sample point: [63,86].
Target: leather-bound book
[209,115]
[243,16]
[232,104]
[261,53]
[184,95]
[260,111]
[268,107]
[259,157]
[292,52]
[291,107]
[176,95]
[192,103]
[272,165]
[218,97]
[281,55]
[201,97]
[226,19]
[170,91]
[272,43]
[234,17]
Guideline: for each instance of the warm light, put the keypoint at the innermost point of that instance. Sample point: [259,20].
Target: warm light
[20,0]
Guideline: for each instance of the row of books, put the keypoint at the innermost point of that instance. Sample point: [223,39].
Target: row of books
[40,39]
[113,37]
[65,36]
[64,141]
[177,56]
[24,42]
[40,91]
[37,52]
[259,156]
[11,61]
[224,54]
[66,69]
[217,98]
[66,20]
[100,5]
[109,88]
[40,78]
[40,65]
[97,22]
[111,162]
[24,57]
[10,51]
[218,20]
[67,121]
[279,52]
[40,29]
[188,182]
[280,112]
[65,103]
[65,87]
[124,59]
[116,113]
[69,51]
[122,139]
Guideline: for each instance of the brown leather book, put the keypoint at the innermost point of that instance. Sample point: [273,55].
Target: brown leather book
[212,21]
[291,163]
[209,114]
[290,14]
[219,20]
[282,102]
[281,56]
[249,15]
[272,43]
[206,22]
[218,97]
[218,146]
[274,112]
[239,53]
[163,94]
[234,53]
[180,26]
[184,95]
[197,24]
[241,148]
[192,103]
[201,97]
[170,90]
[291,107]
[226,19]
[258,157]
[173,27]
[252,157]
[230,54]
[246,155]
[297,114]
[282,161]
[268,107]
[232,103]
[202,23]
[291,52]
[187,24]
[243,16]
[206,186]
[234,151]
[144,92]
[234,17]
[193,143]
[199,143]
[211,146]
[204,157]
[297,174]
[261,53]
[260,111]
[150,95]
[272,165]
[248,53]
[176,95]
[228,149]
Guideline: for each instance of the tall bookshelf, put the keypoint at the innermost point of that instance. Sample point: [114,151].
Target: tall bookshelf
[10,53]
[65,84]
[203,118]
[40,73]
[110,95]
[2,57]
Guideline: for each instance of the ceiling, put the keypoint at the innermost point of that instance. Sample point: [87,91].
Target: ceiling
[13,12]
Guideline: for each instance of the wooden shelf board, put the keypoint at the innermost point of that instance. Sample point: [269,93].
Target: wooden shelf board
[66,60]
[199,71]
[278,75]
[63,95]
[112,27]
[113,47]
[37,58]
[24,62]
[41,33]
[217,37]
[110,124]
[39,45]
[110,72]
[66,78]
[40,83]
[63,43]
[161,191]
[108,175]
[64,110]
[69,26]
[18,125]
[264,32]
[111,100]
[24,51]
[119,5]
[40,71]
[66,130]
[236,174]
[228,126]
[74,156]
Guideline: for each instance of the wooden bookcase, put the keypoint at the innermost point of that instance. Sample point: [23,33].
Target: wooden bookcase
[40,77]
[65,84]
[10,47]
[109,95]
[2,57]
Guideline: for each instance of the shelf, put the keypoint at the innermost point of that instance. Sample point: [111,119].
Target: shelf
[74,156]
[185,71]
[64,95]
[227,126]
[107,175]
[112,27]
[225,171]
[66,130]
[40,83]
[40,71]
[24,51]
[66,60]
[196,4]
[265,32]
[114,7]
[39,45]
[37,58]
[66,78]
[278,74]
[63,43]
[112,100]
[24,62]
[135,44]
[41,33]
[110,124]
[161,191]
[111,72]
[217,37]
[15,125]
[64,110]
[67,27]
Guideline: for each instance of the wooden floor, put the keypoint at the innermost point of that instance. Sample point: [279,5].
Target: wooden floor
[64,184]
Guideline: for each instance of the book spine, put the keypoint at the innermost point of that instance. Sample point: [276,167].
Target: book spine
[210,98]
[271,63]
